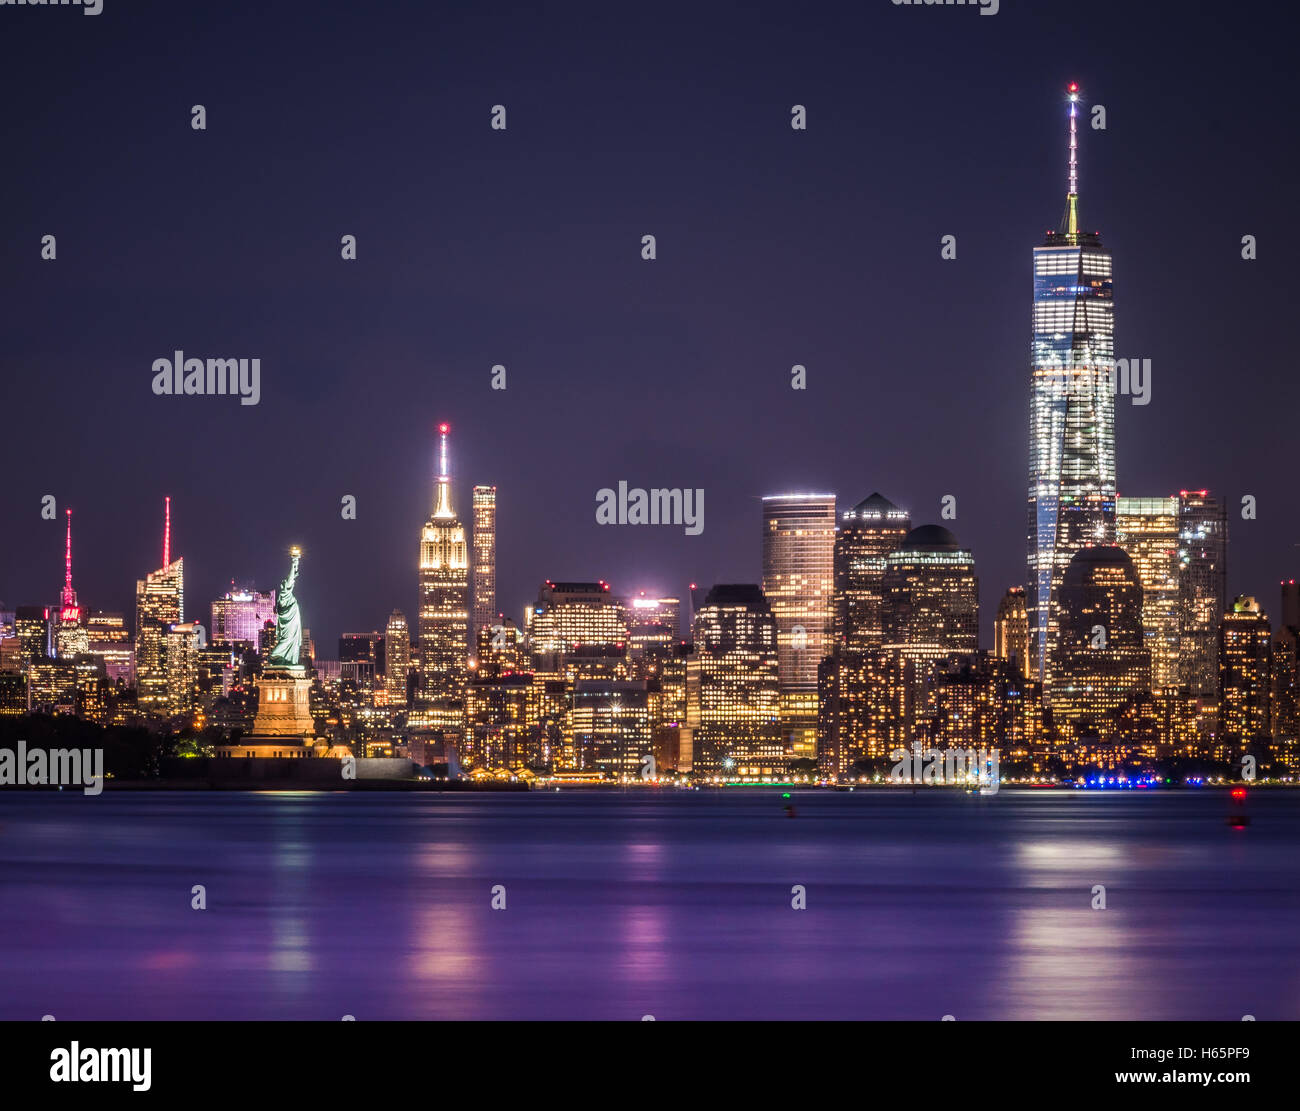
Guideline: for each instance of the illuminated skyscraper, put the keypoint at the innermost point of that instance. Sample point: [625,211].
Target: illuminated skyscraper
[32,631]
[1290,604]
[110,640]
[866,706]
[652,623]
[1203,589]
[931,604]
[159,604]
[397,659]
[498,702]
[732,690]
[612,726]
[1245,657]
[70,636]
[980,701]
[1285,712]
[183,643]
[663,666]
[485,558]
[570,616]
[1147,529]
[1071,409]
[799,585]
[576,631]
[868,532]
[1101,660]
[361,674]
[1286,693]
[643,611]
[240,615]
[1011,629]
[444,611]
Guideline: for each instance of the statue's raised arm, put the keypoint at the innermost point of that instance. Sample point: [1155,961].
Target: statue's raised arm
[288,622]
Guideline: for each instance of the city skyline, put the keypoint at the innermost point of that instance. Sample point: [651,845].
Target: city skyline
[647,513]
[243,587]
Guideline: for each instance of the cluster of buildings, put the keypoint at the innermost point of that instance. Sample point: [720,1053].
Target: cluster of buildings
[1121,649]
[862,637]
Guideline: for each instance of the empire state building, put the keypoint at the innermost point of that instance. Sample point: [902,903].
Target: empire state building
[443,622]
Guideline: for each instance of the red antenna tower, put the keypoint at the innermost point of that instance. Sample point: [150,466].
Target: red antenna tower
[69,596]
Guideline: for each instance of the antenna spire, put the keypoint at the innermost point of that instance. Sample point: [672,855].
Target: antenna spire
[1072,196]
[442,504]
[69,596]
[167,532]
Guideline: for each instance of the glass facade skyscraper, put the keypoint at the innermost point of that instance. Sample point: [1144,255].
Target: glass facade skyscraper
[1101,660]
[868,532]
[485,560]
[732,700]
[799,584]
[240,615]
[931,599]
[159,604]
[1203,588]
[1147,530]
[1071,410]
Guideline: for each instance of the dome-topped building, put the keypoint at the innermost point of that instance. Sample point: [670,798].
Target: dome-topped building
[931,596]
[867,534]
[1101,660]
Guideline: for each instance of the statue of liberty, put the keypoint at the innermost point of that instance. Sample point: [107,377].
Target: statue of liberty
[288,623]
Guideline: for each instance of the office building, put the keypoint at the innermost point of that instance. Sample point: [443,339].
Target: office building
[799,585]
[733,693]
[867,534]
[485,558]
[1147,530]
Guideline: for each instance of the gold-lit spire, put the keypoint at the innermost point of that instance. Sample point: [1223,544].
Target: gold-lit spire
[1072,197]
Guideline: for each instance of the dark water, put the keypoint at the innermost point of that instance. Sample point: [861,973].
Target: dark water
[672,904]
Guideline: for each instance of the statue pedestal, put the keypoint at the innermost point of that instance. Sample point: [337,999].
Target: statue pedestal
[283,706]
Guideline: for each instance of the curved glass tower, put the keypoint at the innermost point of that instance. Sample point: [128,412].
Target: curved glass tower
[1071,410]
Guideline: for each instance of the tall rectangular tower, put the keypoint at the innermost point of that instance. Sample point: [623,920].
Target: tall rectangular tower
[1071,409]
[1147,530]
[799,584]
[868,532]
[485,559]
[1203,588]
[159,604]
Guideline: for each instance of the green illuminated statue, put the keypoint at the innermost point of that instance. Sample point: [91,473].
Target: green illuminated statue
[288,623]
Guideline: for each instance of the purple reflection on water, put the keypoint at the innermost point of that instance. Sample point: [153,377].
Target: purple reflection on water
[621,904]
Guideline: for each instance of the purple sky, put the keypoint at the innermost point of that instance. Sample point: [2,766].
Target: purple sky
[522,247]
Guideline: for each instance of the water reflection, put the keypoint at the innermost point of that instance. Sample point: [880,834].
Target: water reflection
[675,904]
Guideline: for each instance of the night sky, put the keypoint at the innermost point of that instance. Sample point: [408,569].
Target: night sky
[522,247]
